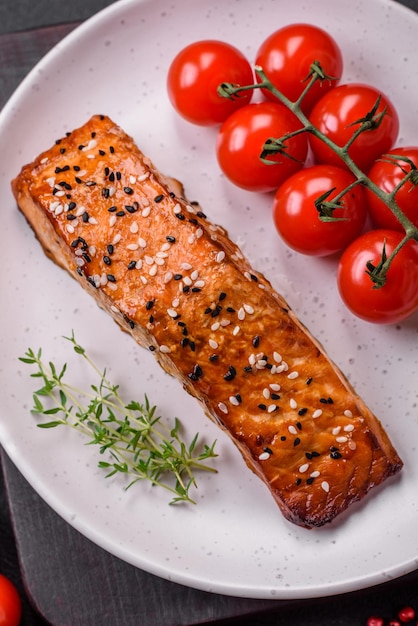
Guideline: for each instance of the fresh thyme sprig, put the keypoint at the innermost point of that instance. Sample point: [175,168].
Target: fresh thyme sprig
[372,119]
[139,445]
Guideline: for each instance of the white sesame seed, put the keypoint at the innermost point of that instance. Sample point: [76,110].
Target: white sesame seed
[112,220]
[191,238]
[92,220]
[292,429]
[51,181]
[165,247]
[159,261]
[236,330]
[172,312]
[143,177]
[168,276]
[146,211]
[225,322]
[132,246]
[194,275]
[114,309]
[70,229]
[44,160]
[116,239]
[261,364]
[241,314]
[132,179]
[199,233]
[315,474]
[266,393]
[149,260]
[186,266]
[341,439]
[293,403]
[164,349]
[134,228]
[336,431]
[187,281]
[317,413]
[248,309]
[138,264]
[144,280]
[213,344]
[199,284]
[175,303]
[79,261]
[352,444]
[103,282]
[303,468]
[325,486]
[153,270]
[277,357]
[112,191]
[54,205]
[142,242]
[215,326]
[275,387]
[220,256]
[293,375]
[349,428]
[251,359]
[271,408]
[59,210]
[90,146]
[112,286]
[222,407]
[348,413]
[177,208]
[233,400]
[264,456]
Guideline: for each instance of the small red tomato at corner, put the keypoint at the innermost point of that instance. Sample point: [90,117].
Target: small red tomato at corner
[398,298]
[286,57]
[387,173]
[240,143]
[10,603]
[297,217]
[195,75]
[337,116]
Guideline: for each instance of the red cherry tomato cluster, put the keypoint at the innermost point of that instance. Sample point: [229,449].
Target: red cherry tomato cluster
[406,615]
[319,208]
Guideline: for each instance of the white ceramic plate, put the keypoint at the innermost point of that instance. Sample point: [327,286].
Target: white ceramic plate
[234,541]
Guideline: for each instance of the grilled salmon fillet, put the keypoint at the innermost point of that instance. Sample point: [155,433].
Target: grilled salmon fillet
[185,291]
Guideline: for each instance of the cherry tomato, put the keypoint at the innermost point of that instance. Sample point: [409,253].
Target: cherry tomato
[10,603]
[286,57]
[240,143]
[195,74]
[398,298]
[297,218]
[387,174]
[336,115]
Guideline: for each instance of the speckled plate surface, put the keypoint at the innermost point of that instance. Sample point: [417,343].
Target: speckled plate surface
[235,540]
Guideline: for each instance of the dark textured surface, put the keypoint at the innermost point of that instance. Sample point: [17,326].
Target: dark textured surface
[60,573]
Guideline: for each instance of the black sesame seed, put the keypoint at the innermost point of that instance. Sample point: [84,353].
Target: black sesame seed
[112,209]
[132,265]
[335,454]
[256,341]
[201,214]
[180,216]
[275,396]
[222,296]
[105,192]
[192,345]
[107,171]
[213,357]
[181,324]
[298,481]
[170,238]
[102,152]
[129,321]
[254,278]
[85,217]
[296,441]
[196,289]
[248,368]
[132,208]
[193,221]
[308,455]
[78,180]
[184,342]
[315,453]
[91,281]
[263,407]
[112,177]
[91,183]
[238,397]
[71,217]
[326,400]
[231,373]
[268,450]
[309,380]
[151,348]
[128,190]
[112,149]
[186,289]
[149,305]
[107,260]
[310,480]
[178,276]
[299,425]
[159,198]
[118,175]
[86,257]
[120,213]
[230,309]
[151,319]
[72,206]
[110,248]
[302,411]
[283,438]
[111,278]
